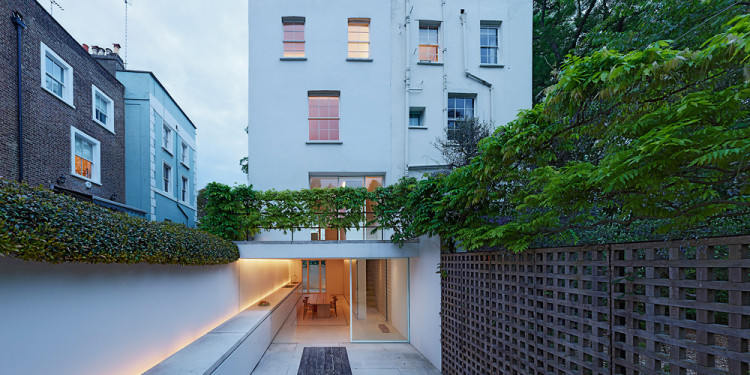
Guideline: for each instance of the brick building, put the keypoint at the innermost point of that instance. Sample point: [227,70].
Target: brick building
[72,117]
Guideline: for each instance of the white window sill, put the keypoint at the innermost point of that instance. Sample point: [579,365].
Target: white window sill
[70,103]
[436,63]
[293,58]
[324,142]
[358,60]
[418,127]
[95,182]
[167,150]
[497,66]
[110,129]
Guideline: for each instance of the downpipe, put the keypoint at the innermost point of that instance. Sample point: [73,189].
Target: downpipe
[20,26]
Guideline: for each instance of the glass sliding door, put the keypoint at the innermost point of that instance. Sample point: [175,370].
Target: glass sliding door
[379,300]
[313,276]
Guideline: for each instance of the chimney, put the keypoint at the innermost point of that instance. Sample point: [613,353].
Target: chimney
[108,58]
[85,46]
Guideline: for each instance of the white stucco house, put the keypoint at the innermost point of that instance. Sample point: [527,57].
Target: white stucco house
[355,93]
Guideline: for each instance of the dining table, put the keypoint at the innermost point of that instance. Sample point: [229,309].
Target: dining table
[323,303]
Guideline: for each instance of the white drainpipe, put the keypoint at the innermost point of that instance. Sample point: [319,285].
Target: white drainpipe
[407,84]
[466,65]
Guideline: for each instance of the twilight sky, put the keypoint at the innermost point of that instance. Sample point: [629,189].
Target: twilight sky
[197,49]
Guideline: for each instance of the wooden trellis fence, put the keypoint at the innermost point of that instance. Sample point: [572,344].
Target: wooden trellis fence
[676,307]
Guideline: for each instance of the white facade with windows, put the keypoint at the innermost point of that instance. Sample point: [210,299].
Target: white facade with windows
[360,90]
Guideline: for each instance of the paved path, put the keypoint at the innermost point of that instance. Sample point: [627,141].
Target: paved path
[365,359]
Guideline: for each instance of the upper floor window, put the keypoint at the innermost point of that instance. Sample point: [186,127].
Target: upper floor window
[185,155]
[323,116]
[57,75]
[488,40]
[460,108]
[185,189]
[359,38]
[166,141]
[429,43]
[167,176]
[86,153]
[294,36]
[103,109]
[416,117]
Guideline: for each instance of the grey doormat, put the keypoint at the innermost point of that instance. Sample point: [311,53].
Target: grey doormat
[324,360]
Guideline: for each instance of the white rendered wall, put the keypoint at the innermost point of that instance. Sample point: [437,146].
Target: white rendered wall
[373,102]
[424,294]
[83,319]
[260,277]
[398,284]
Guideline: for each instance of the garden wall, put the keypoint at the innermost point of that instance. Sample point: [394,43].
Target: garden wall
[679,307]
[117,319]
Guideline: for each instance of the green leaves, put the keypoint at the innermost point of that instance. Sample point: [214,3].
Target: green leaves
[39,225]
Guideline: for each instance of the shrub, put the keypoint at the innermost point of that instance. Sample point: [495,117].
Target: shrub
[37,224]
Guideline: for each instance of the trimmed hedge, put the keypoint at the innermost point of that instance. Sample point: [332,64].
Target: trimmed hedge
[37,224]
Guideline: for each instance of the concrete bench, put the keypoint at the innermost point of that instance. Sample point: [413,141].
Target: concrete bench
[237,345]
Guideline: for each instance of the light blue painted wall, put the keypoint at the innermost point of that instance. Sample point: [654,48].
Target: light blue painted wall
[147,102]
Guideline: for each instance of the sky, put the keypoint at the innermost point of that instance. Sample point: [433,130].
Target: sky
[197,49]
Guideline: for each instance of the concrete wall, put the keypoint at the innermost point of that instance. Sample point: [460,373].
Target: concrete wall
[83,319]
[398,279]
[424,295]
[259,277]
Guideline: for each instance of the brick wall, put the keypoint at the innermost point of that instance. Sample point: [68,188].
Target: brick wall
[47,119]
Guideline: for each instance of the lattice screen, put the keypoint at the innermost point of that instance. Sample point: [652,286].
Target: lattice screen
[676,308]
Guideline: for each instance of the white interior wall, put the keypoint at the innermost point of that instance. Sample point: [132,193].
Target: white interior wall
[398,285]
[259,277]
[106,318]
[346,274]
[424,298]
[335,276]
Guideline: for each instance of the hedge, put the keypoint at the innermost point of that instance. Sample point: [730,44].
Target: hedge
[37,224]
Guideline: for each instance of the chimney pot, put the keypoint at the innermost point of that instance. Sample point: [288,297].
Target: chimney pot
[116,47]
[85,46]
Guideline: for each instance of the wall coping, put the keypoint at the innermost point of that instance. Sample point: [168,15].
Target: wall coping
[208,352]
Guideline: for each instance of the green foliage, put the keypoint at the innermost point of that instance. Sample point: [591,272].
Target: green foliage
[579,27]
[39,225]
[239,212]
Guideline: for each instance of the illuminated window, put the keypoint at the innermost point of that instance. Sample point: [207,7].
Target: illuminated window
[359,38]
[429,45]
[460,108]
[294,36]
[324,116]
[488,41]
[103,109]
[167,175]
[85,152]
[57,75]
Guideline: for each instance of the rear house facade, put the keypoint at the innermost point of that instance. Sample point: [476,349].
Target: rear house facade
[355,94]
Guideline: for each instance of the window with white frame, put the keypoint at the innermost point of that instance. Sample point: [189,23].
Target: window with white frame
[85,156]
[166,137]
[57,75]
[185,189]
[294,36]
[103,109]
[489,34]
[460,108]
[185,154]
[416,117]
[167,176]
[359,38]
[323,111]
[429,41]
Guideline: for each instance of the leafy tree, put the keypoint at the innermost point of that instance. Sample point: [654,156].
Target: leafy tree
[245,165]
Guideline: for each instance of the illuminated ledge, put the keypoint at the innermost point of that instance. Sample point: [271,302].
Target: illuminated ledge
[327,249]
[235,346]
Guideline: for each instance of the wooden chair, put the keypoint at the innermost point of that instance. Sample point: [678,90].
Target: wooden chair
[308,307]
[333,306]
